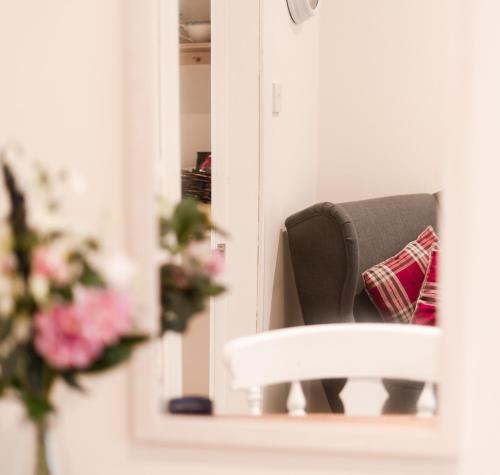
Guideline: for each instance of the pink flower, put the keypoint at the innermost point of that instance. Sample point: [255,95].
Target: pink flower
[216,264]
[60,338]
[109,315]
[74,335]
[51,264]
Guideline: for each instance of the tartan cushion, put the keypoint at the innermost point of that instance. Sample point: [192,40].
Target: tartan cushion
[394,285]
[426,309]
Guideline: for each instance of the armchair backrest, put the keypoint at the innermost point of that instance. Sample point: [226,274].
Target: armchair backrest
[331,245]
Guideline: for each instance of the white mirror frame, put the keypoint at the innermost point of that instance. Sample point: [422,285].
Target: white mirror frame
[349,437]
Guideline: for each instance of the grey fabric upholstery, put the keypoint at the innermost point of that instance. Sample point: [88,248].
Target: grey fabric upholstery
[331,245]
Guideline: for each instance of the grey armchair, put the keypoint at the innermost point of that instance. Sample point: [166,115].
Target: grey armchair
[331,245]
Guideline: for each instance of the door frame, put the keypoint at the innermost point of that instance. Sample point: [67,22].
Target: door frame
[153,107]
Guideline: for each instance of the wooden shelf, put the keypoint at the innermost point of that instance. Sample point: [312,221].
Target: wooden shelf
[195,53]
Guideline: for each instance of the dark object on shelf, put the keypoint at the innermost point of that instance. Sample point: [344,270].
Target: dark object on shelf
[197,185]
[204,161]
[194,405]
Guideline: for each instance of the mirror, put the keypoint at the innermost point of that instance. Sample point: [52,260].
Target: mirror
[373,151]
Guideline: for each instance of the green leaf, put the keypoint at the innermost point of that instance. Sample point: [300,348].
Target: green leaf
[23,237]
[214,290]
[65,292]
[190,222]
[178,307]
[71,379]
[90,277]
[37,406]
[134,339]
[111,357]
[116,354]
[5,327]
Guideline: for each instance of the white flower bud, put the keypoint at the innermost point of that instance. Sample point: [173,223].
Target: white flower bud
[117,270]
[39,287]
[6,306]
[21,329]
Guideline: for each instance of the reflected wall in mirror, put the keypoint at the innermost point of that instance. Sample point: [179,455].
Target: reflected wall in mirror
[345,175]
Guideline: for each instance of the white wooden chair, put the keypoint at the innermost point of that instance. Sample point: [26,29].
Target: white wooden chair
[360,350]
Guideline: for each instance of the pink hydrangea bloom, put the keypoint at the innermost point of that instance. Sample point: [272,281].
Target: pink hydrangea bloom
[74,335]
[109,315]
[51,264]
[216,264]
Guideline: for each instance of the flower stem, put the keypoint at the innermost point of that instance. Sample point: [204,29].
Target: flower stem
[42,461]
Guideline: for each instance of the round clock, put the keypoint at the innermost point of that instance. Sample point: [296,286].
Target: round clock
[301,10]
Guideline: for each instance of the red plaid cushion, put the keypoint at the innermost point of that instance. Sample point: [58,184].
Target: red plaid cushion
[394,285]
[426,309]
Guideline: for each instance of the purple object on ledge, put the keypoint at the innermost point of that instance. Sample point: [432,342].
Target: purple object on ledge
[192,405]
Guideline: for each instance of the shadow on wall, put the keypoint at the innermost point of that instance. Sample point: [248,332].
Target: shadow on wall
[285,312]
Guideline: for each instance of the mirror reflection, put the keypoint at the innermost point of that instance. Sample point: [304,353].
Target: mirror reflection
[195,126]
[352,141]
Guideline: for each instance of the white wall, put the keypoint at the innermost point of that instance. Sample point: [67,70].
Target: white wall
[61,96]
[195,98]
[195,112]
[383,101]
[288,139]
[194,10]
[289,151]
[384,111]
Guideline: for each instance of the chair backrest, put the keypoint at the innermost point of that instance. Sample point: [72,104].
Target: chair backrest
[366,351]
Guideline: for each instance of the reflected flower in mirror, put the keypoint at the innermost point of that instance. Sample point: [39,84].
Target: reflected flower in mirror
[189,270]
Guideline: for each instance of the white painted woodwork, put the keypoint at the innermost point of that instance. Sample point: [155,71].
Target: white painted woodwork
[426,406]
[360,350]
[296,403]
[172,377]
[168,171]
[254,398]
[235,181]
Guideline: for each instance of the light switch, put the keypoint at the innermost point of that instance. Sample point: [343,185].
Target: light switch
[276,98]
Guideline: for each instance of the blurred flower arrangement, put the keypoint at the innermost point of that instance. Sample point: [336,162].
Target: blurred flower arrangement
[60,316]
[188,268]
[63,309]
